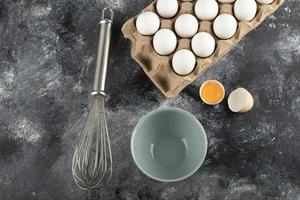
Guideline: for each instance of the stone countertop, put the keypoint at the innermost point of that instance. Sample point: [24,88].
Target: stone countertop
[47,61]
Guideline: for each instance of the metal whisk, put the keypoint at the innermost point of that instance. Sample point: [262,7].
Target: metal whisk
[92,161]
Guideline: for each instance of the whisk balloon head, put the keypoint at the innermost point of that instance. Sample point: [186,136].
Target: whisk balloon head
[92,161]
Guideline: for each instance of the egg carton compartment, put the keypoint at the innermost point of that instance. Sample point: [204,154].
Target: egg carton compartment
[159,68]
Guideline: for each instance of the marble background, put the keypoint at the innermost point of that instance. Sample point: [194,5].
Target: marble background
[47,60]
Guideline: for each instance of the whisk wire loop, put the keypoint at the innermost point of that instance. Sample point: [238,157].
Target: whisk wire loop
[92,161]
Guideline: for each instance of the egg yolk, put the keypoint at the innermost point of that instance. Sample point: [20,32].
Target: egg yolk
[212,92]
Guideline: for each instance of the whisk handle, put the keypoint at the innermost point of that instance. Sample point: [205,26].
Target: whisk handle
[103,51]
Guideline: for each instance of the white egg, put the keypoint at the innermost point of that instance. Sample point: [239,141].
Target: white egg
[226,1]
[186,25]
[206,9]
[147,23]
[203,44]
[264,1]
[183,62]
[167,8]
[164,42]
[225,26]
[245,10]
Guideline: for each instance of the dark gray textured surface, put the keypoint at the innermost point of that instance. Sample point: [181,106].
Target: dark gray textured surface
[47,60]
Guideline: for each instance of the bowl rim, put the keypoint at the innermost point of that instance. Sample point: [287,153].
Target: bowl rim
[181,111]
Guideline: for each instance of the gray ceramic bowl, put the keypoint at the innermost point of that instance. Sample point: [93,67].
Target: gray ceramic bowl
[168,144]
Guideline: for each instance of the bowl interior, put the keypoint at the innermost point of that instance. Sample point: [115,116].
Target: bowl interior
[169,144]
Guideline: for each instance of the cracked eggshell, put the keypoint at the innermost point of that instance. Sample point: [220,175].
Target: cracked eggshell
[240,101]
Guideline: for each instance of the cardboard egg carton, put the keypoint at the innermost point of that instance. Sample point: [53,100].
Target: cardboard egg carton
[159,68]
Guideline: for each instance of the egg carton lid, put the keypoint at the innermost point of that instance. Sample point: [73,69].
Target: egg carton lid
[159,69]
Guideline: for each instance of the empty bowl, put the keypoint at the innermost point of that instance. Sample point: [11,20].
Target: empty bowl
[168,144]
